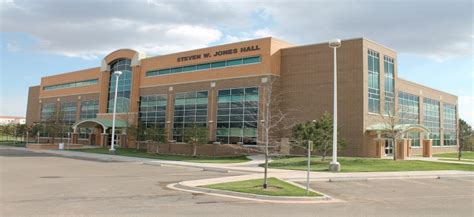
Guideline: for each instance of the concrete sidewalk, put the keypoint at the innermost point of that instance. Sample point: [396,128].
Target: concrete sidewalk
[439,159]
[253,168]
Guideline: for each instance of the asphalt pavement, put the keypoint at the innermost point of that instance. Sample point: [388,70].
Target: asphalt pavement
[36,184]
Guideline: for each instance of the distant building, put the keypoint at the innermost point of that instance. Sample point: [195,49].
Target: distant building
[4,120]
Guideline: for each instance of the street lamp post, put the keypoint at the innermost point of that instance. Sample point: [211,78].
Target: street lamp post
[334,166]
[117,75]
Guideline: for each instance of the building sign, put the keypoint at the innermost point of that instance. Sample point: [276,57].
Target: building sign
[218,53]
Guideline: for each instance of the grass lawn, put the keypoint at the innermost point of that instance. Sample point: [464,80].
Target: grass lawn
[11,144]
[142,153]
[275,187]
[6,138]
[465,155]
[353,164]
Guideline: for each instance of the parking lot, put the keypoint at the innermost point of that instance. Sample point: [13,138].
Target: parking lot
[35,184]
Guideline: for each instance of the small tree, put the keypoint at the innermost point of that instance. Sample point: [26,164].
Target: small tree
[195,135]
[320,132]
[155,134]
[323,135]
[465,133]
[53,126]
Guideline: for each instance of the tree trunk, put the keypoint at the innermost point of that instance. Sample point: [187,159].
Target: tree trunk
[194,150]
[324,155]
[459,152]
[394,148]
[265,178]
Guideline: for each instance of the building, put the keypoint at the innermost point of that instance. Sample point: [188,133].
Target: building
[225,89]
[5,120]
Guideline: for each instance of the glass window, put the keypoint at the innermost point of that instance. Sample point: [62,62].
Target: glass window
[234,62]
[124,86]
[189,68]
[203,66]
[152,117]
[176,70]
[450,126]
[89,109]
[48,111]
[250,60]
[152,73]
[237,115]
[190,109]
[164,71]
[389,85]
[432,119]
[68,113]
[70,85]
[374,90]
[218,64]
[408,106]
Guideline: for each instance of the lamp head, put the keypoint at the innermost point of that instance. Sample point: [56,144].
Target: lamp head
[335,43]
[118,73]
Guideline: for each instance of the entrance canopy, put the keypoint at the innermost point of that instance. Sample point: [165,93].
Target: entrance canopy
[404,128]
[97,121]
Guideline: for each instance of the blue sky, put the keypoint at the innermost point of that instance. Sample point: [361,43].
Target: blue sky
[433,39]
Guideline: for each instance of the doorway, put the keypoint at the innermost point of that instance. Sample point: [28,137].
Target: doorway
[388,147]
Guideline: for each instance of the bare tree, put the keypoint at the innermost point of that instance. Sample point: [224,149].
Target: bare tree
[196,135]
[391,121]
[274,118]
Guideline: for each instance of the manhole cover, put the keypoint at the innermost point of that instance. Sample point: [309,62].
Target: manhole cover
[206,202]
[50,177]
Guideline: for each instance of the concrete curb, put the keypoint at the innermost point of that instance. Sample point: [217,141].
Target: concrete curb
[252,197]
[368,178]
[230,168]
[204,168]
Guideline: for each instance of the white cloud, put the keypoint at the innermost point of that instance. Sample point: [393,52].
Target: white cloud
[88,29]
[432,28]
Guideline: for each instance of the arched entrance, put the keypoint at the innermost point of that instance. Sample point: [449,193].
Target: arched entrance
[99,133]
[403,144]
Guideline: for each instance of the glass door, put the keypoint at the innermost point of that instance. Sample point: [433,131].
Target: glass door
[388,147]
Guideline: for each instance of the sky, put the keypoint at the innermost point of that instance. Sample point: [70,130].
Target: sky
[433,38]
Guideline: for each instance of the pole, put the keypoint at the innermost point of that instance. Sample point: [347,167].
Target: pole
[38,137]
[310,145]
[112,149]
[334,166]
[334,130]
[27,138]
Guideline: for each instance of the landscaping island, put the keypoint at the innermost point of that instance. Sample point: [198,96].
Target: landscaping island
[276,187]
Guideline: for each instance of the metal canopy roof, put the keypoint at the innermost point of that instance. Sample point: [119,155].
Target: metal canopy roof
[97,121]
[399,127]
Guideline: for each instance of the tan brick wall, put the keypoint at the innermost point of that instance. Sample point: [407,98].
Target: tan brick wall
[307,82]
[33,108]
[86,74]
